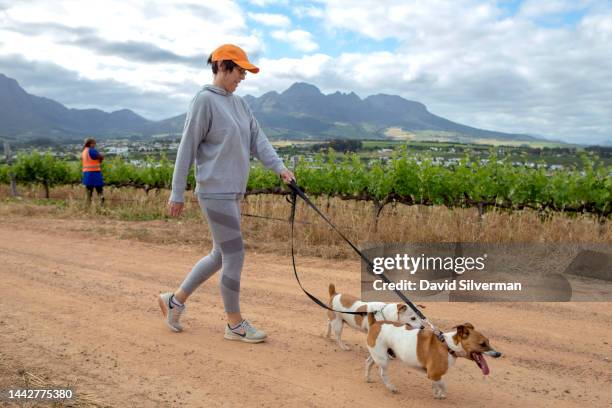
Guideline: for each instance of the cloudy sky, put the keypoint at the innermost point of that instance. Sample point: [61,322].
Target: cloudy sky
[541,67]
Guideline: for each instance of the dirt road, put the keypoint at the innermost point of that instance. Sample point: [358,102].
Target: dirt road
[83,309]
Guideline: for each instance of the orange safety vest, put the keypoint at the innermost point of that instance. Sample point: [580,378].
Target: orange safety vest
[88,163]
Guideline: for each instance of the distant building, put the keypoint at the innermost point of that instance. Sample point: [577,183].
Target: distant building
[119,151]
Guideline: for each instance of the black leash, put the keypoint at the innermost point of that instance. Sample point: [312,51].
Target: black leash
[296,191]
[293,202]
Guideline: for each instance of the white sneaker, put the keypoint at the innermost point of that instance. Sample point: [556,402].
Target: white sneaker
[245,332]
[172,313]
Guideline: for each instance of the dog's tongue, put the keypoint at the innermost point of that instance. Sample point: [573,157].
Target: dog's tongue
[482,363]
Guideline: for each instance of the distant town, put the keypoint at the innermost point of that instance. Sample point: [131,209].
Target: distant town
[440,153]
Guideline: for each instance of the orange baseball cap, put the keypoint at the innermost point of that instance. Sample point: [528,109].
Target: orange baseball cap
[234,53]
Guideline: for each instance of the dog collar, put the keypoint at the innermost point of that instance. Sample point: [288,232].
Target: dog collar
[382,313]
[438,333]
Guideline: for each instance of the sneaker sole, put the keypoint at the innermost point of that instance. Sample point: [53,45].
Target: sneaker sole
[243,339]
[164,309]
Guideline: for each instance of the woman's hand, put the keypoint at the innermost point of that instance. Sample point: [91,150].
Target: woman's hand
[175,208]
[287,176]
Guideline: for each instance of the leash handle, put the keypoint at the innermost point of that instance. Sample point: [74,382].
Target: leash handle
[296,191]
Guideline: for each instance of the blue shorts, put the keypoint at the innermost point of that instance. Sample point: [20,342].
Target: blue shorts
[93,179]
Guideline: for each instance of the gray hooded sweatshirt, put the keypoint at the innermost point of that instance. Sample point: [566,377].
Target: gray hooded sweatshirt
[220,133]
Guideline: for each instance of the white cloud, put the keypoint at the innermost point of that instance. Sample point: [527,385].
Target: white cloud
[65,33]
[597,28]
[191,29]
[467,60]
[276,20]
[182,29]
[539,8]
[308,11]
[265,3]
[279,74]
[298,39]
[471,63]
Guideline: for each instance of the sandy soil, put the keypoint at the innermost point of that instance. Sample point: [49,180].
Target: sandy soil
[83,310]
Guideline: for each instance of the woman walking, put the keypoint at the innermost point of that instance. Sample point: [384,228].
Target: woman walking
[92,170]
[220,133]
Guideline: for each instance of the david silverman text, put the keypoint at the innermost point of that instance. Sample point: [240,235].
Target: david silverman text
[463,284]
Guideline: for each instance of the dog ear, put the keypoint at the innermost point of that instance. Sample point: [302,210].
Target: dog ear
[401,307]
[463,330]
[371,319]
[422,306]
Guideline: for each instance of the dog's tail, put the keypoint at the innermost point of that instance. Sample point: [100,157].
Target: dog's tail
[332,290]
[371,319]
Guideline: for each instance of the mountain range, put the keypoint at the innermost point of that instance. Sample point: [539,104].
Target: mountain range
[300,112]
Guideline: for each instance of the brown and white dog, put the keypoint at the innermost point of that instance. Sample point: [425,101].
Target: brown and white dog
[421,349]
[395,312]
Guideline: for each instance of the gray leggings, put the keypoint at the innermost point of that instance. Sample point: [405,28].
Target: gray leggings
[228,252]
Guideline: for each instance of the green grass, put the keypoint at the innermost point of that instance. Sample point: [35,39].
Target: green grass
[382,144]
[60,203]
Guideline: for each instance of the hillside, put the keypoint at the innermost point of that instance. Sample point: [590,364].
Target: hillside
[23,116]
[301,112]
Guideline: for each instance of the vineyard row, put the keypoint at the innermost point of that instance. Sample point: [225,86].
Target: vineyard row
[404,178]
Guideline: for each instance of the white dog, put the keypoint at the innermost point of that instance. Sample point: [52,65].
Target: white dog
[421,349]
[395,312]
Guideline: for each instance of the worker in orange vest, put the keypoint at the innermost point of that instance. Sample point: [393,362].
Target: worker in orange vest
[92,170]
